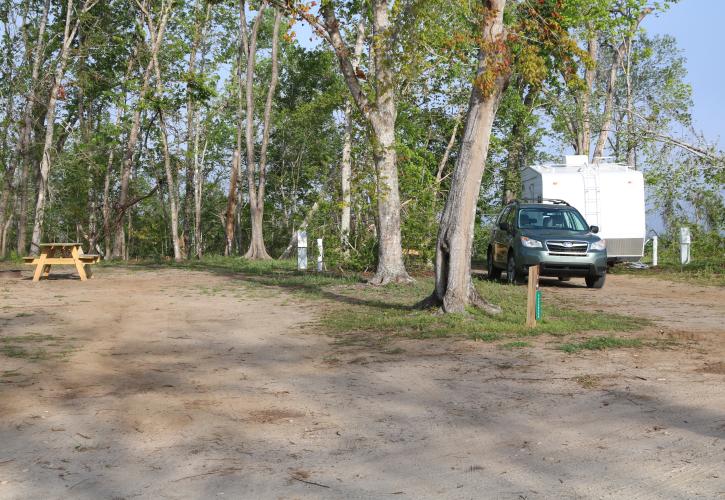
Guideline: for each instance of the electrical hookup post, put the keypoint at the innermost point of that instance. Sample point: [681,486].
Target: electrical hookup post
[302,250]
[533,301]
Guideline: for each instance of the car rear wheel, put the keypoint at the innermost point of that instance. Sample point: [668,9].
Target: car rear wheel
[595,281]
[494,273]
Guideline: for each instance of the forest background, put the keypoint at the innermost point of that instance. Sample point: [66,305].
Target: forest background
[178,129]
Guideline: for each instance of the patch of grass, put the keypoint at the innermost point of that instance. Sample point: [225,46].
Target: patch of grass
[599,343]
[517,344]
[34,346]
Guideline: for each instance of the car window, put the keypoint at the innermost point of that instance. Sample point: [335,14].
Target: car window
[504,216]
[551,218]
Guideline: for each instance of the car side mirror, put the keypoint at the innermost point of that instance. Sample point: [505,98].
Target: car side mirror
[504,225]
[594,229]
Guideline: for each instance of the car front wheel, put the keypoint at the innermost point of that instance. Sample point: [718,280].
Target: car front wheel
[595,281]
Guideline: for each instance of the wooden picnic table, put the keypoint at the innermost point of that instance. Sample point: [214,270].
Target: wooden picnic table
[62,254]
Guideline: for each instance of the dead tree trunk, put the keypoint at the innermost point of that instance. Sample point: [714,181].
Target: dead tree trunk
[454,289]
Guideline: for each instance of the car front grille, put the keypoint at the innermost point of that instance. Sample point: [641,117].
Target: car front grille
[567,247]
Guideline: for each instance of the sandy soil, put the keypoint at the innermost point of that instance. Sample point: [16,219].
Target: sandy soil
[195,385]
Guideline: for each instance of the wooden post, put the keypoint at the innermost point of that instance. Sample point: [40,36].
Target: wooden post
[531,296]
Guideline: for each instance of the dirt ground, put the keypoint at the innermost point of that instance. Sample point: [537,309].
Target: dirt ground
[181,384]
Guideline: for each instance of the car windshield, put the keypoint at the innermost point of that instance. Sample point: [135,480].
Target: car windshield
[551,218]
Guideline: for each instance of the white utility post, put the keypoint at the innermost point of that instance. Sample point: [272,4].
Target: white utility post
[655,243]
[685,240]
[320,263]
[302,250]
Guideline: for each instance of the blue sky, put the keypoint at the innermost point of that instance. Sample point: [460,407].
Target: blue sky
[699,27]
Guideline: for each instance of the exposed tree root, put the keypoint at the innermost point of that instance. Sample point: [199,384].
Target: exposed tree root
[385,278]
[256,252]
[452,303]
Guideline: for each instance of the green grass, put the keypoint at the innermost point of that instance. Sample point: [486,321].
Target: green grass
[34,346]
[359,314]
[600,343]
[517,344]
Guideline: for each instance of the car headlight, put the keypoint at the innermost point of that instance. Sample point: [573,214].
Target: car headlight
[599,245]
[529,243]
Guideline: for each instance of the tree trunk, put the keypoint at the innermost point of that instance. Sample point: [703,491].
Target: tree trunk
[243,52]
[380,117]
[516,154]
[590,73]
[170,182]
[128,157]
[454,289]
[172,186]
[45,162]
[27,123]
[257,249]
[346,166]
[106,210]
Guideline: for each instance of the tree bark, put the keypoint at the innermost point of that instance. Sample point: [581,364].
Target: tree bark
[45,162]
[346,166]
[454,290]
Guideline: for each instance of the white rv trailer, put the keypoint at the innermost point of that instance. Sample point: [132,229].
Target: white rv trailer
[608,195]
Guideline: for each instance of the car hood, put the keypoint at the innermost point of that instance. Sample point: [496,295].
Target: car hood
[558,234]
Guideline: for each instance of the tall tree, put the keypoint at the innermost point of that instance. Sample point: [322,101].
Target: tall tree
[69,33]
[256,187]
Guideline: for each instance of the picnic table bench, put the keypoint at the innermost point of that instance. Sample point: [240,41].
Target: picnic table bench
[62,254]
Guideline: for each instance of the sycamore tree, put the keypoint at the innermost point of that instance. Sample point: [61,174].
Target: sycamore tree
[526,39]
[393,55]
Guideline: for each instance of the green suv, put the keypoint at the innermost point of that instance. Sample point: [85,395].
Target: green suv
[550,233]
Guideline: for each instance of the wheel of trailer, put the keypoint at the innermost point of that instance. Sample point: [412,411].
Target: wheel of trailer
[595,281]
[494,273]
[511,275]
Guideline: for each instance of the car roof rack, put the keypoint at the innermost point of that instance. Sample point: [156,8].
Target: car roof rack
[554,201]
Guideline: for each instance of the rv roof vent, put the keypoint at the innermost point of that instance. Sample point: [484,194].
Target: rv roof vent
[576,160]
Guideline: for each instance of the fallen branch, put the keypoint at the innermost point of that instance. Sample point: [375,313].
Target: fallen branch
[308,482]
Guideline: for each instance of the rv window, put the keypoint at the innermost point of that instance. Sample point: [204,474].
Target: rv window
[544,218]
